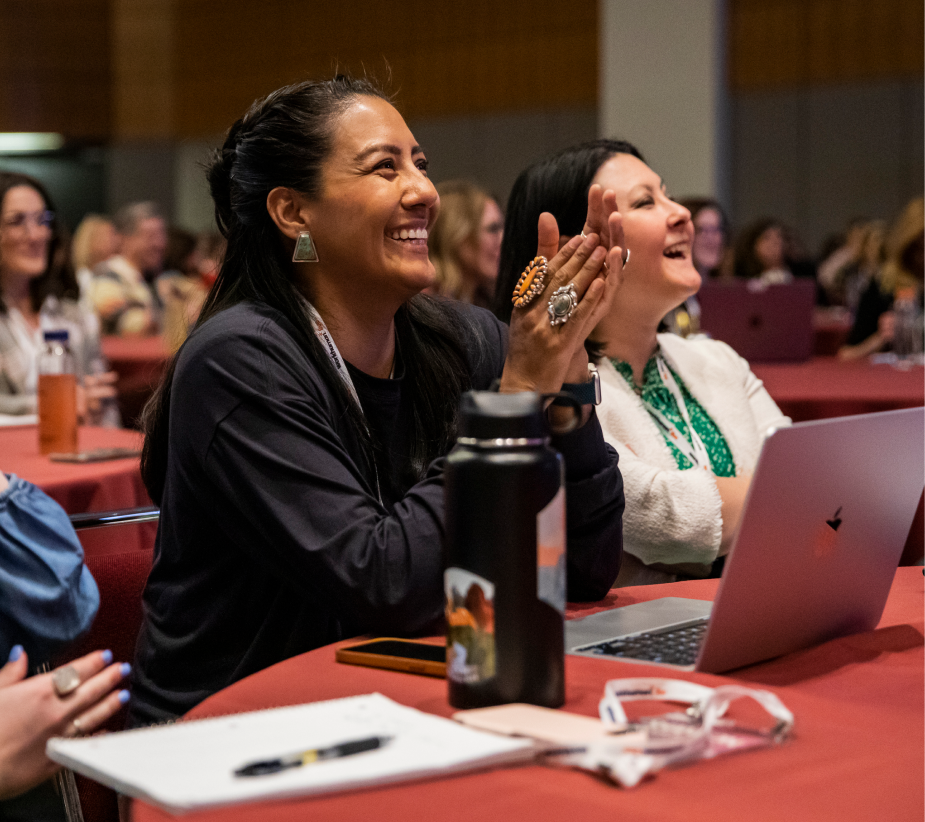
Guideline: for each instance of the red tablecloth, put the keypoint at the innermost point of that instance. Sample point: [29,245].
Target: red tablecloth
[830,331]
[828,387]
[856,753]
[97,486]
[139,362]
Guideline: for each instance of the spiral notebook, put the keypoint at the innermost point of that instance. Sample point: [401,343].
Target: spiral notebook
[190,765]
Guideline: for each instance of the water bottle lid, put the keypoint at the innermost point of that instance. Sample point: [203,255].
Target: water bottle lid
[487,415]
[59,334]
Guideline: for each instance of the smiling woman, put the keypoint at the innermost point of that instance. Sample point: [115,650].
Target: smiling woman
[687,417]
[296,445]
[35,274]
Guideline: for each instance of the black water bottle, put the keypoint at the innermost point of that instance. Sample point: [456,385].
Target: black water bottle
[505,555]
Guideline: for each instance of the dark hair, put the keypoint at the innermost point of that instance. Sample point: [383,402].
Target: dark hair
[284,140]
[697,204]
[58,279]
[558,184]
[180,246]
[747,264]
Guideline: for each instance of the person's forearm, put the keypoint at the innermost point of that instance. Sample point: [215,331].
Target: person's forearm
[732,492]
[17,404]
[594,512]
[871,345]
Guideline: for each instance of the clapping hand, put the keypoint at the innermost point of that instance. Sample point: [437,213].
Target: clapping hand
[541,355]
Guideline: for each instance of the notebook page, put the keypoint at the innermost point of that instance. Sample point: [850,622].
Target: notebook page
[191,764]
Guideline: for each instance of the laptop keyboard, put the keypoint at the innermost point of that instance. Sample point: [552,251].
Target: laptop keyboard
[676,646]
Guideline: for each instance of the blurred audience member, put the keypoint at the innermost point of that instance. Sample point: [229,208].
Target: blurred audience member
[94,242]
[845,285]
[902,273]
[768,251]
[712,255]
[180,288]
[211,253]
[182,255]
[38,292]
[465,243]
[122,293]
[840,252]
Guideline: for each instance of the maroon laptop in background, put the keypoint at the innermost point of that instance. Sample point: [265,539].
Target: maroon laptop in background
[763,323]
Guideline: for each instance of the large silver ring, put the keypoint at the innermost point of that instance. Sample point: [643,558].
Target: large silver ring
[76,727]
[561,304]
[65,680]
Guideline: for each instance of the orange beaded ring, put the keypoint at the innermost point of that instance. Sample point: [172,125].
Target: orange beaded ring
[530,283]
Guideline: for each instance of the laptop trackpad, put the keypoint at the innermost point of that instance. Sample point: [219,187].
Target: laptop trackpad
[631,619]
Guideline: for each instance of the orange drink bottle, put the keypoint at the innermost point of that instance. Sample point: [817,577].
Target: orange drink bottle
[57,396]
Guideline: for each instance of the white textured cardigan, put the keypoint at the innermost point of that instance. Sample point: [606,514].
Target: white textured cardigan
[673,516]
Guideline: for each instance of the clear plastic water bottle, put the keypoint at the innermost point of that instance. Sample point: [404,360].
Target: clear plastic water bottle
[505,555]
[908,330]
[57,395]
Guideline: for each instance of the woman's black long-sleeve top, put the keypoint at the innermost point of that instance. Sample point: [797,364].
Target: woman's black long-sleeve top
[272,540]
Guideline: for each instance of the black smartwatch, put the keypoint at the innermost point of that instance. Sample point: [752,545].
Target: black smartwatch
[587,393]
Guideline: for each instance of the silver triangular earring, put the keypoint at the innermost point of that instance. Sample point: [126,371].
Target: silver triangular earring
[304,249]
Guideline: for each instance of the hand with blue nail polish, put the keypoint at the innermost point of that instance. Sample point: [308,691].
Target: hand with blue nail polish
[33,710]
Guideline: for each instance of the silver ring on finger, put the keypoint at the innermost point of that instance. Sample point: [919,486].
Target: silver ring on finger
[65,680]
[561,305]
[74,728]
[626,257]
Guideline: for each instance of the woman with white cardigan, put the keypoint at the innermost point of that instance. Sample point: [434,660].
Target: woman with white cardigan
[687,416]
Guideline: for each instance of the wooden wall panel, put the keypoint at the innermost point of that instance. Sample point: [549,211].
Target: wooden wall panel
[445,58]
[80,66]
[143,69]
[54,66]
[793,43]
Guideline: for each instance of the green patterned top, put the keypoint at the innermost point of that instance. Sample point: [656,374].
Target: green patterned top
[656,394]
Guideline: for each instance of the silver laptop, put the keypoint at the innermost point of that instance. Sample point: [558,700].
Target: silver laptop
[825,521]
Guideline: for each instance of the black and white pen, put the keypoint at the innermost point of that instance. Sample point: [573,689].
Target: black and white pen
[297,760]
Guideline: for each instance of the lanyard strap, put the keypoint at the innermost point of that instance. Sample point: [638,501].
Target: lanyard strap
[330,348]
[706,704]
[695,451]
[617,691]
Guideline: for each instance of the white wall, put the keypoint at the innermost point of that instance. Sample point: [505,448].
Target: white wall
[662,87]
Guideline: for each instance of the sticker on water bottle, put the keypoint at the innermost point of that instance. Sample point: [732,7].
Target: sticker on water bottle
[470,626]
[550,553]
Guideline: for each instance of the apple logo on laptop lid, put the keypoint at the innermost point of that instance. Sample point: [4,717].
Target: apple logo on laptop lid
[826,536]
